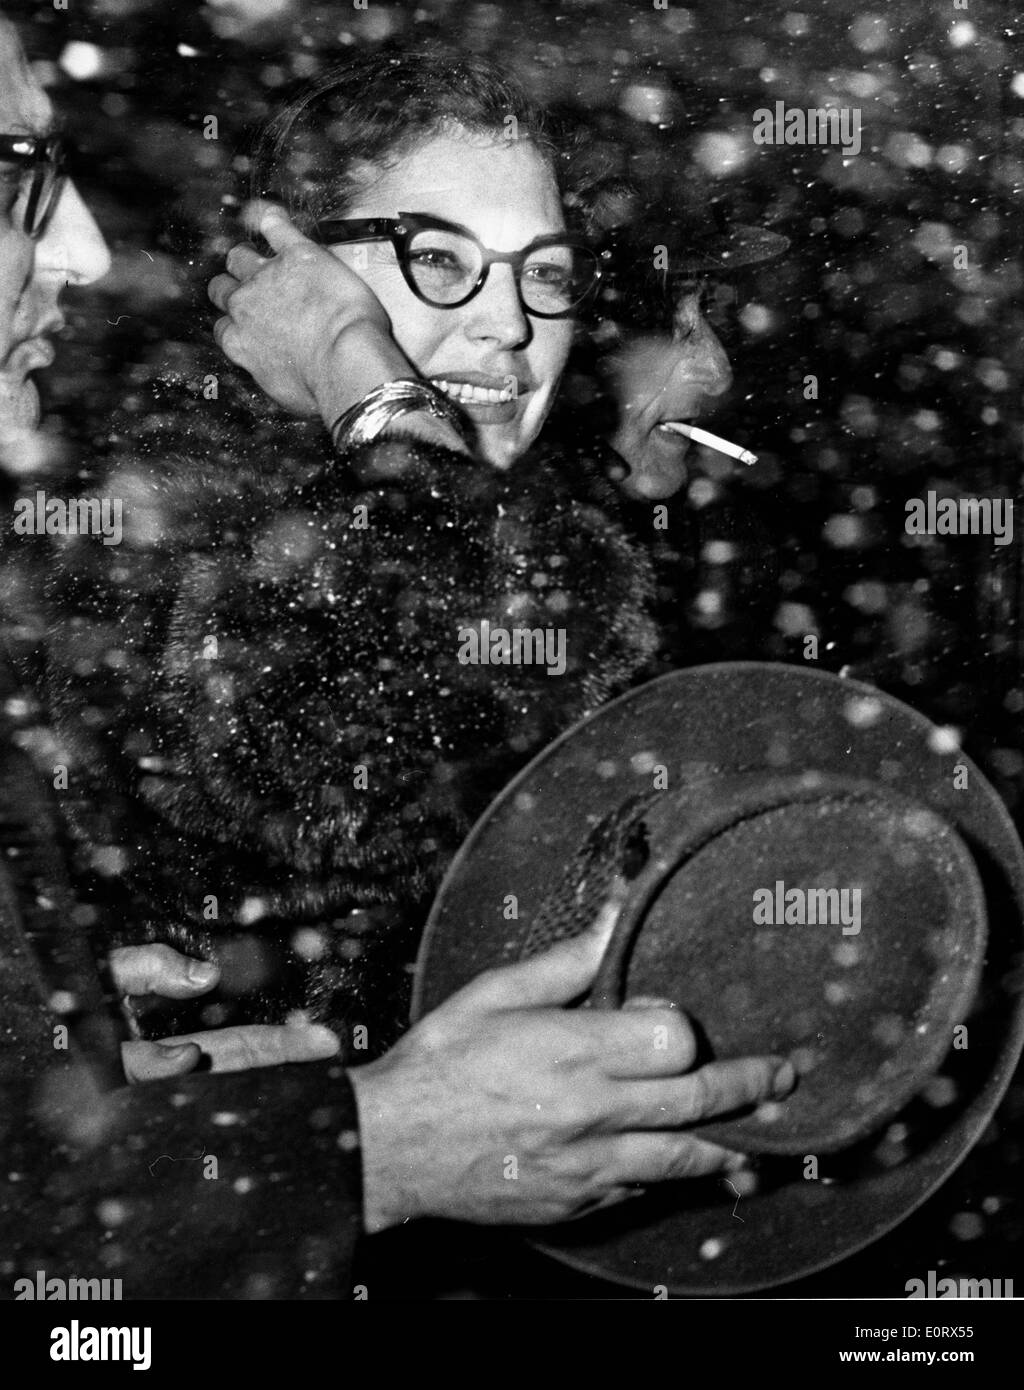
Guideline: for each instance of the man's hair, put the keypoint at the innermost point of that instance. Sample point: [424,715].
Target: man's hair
[317,154]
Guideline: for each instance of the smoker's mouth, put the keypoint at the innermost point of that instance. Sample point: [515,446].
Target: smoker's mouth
[665,426]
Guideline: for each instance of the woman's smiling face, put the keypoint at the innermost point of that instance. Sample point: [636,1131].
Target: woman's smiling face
[505,193]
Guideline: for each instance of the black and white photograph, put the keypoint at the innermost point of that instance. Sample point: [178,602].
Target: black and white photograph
[511,665]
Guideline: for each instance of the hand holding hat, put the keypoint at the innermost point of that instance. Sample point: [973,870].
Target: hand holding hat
[505,1106]
[729,798]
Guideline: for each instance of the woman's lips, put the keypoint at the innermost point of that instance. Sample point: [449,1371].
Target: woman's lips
[487,399]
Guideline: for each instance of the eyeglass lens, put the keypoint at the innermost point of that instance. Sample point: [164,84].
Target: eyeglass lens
[446,266]
[44,185]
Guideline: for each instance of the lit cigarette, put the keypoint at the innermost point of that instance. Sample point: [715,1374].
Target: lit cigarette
[734,451]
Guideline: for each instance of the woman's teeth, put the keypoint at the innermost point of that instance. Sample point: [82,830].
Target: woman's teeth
[479,395]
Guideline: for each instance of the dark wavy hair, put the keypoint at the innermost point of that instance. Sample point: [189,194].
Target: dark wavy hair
[357,119]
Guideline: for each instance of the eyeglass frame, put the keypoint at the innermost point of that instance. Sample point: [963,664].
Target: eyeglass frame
[400,231]
[39,153]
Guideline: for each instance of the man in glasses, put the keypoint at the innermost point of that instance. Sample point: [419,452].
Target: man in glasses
[68,1123]
[48,239]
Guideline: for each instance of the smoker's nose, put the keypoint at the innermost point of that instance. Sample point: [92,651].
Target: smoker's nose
[702,356]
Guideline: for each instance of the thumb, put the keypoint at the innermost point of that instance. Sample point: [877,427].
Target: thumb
[153,1061]
[159,969]
[558,976]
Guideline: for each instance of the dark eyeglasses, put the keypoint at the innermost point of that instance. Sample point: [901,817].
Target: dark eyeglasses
[445,265]
[44,160]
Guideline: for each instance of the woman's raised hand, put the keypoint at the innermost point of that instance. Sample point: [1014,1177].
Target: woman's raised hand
[300,320]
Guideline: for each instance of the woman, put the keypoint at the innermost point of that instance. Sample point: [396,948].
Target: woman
[429,302]
[300,688]
[273,702]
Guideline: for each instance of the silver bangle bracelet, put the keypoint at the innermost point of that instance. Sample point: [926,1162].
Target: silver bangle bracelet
[369,418]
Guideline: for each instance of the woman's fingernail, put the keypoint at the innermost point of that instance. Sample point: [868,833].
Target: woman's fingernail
[784,1080]
[201,972]
[175,1050]
[321,1036]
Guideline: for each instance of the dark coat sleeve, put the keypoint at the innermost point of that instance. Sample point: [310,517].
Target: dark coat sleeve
[244,1185]
[240,1186]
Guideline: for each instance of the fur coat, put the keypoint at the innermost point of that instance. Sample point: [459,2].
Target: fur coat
[272,747]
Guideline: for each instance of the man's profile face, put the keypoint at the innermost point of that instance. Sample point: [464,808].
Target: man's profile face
[33,273]
[675,374]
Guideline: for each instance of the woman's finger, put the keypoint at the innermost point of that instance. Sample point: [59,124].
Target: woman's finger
[273,224]
[159,969]
[220,290]
[243,261]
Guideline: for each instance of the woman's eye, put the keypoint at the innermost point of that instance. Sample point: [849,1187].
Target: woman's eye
[434,258]
[549,274]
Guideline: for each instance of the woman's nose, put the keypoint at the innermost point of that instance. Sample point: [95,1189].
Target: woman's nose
[72,246]
[496,312]
[701,352]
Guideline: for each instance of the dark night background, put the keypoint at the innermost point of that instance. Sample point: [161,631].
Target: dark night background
[919,364]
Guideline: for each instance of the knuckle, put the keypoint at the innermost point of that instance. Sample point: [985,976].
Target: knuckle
[585,1177]
[490,979]
[701,1094]
[683,1161]
[582,1113]
[578,1048]
[429,1033]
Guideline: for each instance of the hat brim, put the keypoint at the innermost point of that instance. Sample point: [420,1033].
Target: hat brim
[739,248]
[702,723]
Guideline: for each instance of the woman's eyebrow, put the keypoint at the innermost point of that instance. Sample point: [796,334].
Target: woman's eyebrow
[454,222]
[429,205]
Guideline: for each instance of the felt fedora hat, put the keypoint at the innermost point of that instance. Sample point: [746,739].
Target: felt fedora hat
[808,867]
